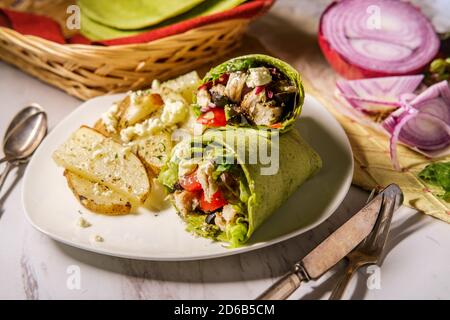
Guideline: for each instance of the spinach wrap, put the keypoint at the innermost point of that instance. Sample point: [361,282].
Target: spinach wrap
[250,91]
[222,192]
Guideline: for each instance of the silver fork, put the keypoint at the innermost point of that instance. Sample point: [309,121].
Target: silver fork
[370,250]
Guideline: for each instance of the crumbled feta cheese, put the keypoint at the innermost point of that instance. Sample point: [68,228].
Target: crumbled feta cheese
[83,223]
[175,111]
[101,190]
[181,153]
[147,127]
[204,176]
[203,98]
[186,167]
[258,77]
[109,118]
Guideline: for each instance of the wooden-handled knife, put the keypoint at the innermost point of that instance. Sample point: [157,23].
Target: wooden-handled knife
[335,247]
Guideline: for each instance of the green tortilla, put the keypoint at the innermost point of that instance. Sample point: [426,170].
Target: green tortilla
[134,14]
[297,162]
[255,60]
[97,31]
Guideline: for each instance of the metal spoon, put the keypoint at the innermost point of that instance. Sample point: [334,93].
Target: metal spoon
[23,141]
[21,116]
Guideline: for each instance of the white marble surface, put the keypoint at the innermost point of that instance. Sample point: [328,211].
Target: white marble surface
[33,266]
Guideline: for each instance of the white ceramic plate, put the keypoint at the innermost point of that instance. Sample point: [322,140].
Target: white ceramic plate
[51,207]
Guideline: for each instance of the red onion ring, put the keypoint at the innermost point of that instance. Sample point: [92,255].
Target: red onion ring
[377,94]
[259,89]
[376,38]
[422,122]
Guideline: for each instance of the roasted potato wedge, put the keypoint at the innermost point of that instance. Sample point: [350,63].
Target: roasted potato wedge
[138,107]
[95,157]
[185,85]
[154,150]
[97,197]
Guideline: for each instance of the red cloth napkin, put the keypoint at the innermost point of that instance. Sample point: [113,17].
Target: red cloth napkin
[44,27]
[31,24]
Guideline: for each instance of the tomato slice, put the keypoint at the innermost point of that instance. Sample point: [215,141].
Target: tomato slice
[276,125]
[213,118]
[217,202]
[190,182]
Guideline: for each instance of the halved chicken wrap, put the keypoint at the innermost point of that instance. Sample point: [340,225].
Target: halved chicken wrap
[223,192]
[254,90]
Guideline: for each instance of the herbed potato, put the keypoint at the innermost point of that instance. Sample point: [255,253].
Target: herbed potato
[91,155]
[97,197]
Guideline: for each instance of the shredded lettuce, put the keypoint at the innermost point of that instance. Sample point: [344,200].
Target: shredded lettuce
[169,175]
[196,110]
[220,169]
[231,66]
[237,233]
[196,223]
[438,174]
[244,192]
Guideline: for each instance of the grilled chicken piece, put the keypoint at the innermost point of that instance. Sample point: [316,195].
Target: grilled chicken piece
[267,114]
[285,93]
[258,110]
[185,201]
[227,216]
[229,213]
[235,84]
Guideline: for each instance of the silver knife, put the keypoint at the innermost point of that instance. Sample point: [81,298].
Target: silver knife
[327,254]
[370,250]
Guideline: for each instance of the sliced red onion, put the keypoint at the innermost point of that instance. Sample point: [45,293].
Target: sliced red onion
[376,38]
[205,86]
[377,94]
[259,89]
[397,126]
[223,79]
[209,107]
[422,123]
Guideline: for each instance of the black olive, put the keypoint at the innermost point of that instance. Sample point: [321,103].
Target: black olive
[285,98]
[219,100]
[210,218]
[177,186]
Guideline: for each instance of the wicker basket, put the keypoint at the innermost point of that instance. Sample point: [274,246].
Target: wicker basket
[86,71]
